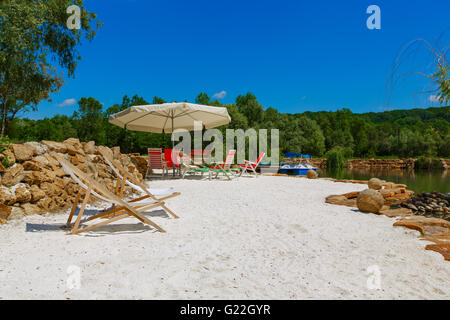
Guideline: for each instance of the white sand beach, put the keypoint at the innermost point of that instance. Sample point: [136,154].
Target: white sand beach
[265,238]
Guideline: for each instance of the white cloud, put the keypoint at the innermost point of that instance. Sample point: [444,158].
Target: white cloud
[67,103]
[220,95]
[433,98]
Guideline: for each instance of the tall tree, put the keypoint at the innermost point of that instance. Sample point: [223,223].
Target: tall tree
[32,34]
[251,108]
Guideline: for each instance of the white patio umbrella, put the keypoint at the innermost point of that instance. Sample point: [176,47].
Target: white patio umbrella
[167,117]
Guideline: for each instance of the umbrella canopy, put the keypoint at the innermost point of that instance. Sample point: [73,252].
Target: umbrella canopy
[168,117]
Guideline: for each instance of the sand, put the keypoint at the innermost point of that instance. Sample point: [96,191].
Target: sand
[265,238]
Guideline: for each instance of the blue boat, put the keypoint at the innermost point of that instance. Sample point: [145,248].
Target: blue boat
[299,169]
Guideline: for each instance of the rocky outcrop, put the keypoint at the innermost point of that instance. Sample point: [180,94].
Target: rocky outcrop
[430,204]
[33,182]
[381,163]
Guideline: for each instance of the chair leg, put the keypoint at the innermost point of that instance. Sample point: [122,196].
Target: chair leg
[170,211]
[80,214]
[69,220]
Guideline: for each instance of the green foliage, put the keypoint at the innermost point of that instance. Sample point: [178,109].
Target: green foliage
[33,36]
[337,157]
[423,162]
[337,135]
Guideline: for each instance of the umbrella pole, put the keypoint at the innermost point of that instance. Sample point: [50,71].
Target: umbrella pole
[173,144]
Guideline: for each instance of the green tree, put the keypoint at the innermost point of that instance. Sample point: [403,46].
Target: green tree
[32,34]
[250,108]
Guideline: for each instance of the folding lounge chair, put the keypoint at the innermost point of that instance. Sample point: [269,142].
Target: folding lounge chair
[127,178]
[225,167]
[156,161]
[249,165]
[123,210]
[187,167]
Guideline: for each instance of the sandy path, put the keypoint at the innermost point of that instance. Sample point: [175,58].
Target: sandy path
[265,238]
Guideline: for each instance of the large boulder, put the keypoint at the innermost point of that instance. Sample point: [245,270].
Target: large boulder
[22,152]
[370,200]
[375,184]
[311,174]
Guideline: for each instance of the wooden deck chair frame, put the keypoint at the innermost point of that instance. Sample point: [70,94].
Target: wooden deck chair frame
[252,165]
[96,190]
[124,177]
[165,169]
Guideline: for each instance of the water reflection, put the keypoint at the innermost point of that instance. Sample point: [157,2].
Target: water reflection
[417,180]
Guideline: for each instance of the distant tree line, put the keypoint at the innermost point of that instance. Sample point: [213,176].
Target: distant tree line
[398,133]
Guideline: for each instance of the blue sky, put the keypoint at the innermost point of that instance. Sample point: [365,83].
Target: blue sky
[293,55]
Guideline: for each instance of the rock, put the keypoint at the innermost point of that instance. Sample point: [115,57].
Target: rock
[7,196]
[391,213]
[21,192]
[351,195]
[140,163]
[10,158]
[16,213]
[375,184]
[370,200]
[51,189]
[38,177]
[13,175]
[55,146]
[47,204]
[89,147]
[73,146]
[311,174]
[38,148]
[107,150]
[116,152]
[32,165]
[42,160]
[5,211]
[36,193]
[30,209]
[22,152]
[2,169]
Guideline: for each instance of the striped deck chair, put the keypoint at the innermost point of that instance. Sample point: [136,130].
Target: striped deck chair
[125,177]
[249,165]
[92,188]
[156,161]
[225,167]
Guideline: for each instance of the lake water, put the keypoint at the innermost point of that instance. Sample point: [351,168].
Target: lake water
[416,180]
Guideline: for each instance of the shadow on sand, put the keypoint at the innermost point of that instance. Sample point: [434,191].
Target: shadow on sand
[113,228]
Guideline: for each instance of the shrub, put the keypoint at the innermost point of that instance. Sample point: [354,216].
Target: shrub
[428,163]
[337,157]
